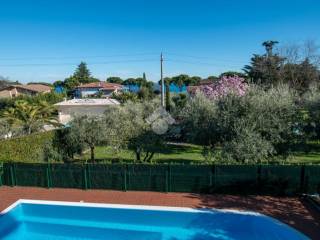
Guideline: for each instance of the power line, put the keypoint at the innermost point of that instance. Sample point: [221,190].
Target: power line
[65,64]
[77,57]
[203,63]
[202,57]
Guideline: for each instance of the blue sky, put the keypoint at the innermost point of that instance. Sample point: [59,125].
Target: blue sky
[45,40]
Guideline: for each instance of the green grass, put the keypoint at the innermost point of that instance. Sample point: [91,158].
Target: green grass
[187,153]
[173,153]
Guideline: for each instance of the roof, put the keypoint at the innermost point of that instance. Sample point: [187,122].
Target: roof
[101,85]
[31,87]
[89,102]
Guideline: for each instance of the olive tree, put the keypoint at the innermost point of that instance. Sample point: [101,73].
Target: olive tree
[248,128]
[128,128]
[88,131]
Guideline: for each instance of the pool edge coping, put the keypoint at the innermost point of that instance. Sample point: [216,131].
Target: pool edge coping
[126,206]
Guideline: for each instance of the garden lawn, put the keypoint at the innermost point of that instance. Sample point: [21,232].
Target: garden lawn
[187,153]
[173,153]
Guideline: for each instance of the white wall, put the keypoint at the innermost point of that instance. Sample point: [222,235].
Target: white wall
[66,113]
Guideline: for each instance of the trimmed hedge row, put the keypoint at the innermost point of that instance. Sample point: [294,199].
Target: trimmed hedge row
[25,149]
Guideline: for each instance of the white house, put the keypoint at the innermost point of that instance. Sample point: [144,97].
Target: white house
[77,107]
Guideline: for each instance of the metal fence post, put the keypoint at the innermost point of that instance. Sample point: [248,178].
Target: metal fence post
[125,178]
[1,173]
[167,179]
[85,177]
[48,175]
[259,169]
[12,177]
[211,177]
[303,188]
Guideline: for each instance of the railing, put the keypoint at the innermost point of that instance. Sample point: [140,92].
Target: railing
[237,179]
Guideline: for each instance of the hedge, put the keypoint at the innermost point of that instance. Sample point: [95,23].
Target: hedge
[25,149]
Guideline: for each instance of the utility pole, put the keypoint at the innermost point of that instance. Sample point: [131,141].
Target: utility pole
[162,81]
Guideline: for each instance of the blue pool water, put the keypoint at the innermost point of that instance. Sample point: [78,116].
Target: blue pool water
[62,221]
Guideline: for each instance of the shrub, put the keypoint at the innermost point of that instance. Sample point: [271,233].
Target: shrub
[25,149]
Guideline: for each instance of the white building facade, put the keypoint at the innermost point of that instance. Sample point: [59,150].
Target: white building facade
[79,107]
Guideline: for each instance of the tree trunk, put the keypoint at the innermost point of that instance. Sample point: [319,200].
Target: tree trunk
[92,153]
[138,154]
[150,157]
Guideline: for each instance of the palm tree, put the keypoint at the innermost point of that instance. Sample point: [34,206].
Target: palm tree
[31,117]
[269,46]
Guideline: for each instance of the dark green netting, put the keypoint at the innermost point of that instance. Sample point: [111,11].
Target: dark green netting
[190,178]
[312,179]
[239,179]
[30,174]
[146,177]
[235,178]
[103,176]
[281,179]
[67,175]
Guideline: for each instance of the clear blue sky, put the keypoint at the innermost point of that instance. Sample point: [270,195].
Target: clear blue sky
[44,40]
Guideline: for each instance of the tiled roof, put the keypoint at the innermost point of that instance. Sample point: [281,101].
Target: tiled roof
[101,85]
[31,87]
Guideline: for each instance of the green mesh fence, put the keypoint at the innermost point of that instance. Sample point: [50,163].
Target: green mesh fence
[190,178]
[235,178]
[312,179]
[146,178]
[281,180]
[103,176]
[238,179]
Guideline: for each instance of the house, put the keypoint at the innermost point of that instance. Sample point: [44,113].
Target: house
[29,89]
[97,88]
[77,107]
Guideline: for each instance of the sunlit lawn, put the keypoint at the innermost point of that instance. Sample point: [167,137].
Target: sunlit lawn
[187,153]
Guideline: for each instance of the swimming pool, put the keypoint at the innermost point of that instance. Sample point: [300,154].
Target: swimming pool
[30,219]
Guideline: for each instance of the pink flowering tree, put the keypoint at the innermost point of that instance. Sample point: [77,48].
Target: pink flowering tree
[225,86]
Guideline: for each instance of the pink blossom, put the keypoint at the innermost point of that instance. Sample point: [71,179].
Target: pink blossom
[224,86]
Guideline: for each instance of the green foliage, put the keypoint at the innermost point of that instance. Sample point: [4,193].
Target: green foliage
[311,112]
[248,146]
[124,97]
[88,132]
[117,80]
[30,117]
[265,70]
[232,74]
[81,75]
[64,145]
[267,120]
[127,128]
[25,149]
[145,93]
[300,76]
[168,100]
[180,100]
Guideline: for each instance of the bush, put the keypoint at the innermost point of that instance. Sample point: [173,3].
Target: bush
[25,149]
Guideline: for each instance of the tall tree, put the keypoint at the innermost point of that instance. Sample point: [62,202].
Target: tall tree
[269,46]
[265,69]
[81,75]
[89,131]
[117,80]
[180,80]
